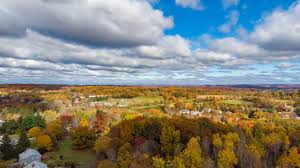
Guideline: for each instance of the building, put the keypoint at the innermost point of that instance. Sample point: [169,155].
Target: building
[29,156]
[1,122]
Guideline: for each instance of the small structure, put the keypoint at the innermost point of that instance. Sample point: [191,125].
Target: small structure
[36,164]
[1,122]
[288,108]
[29,156]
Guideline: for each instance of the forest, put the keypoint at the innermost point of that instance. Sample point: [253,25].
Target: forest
[150,126]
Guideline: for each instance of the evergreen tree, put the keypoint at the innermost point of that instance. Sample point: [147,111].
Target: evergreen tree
[7,148]
[23,143]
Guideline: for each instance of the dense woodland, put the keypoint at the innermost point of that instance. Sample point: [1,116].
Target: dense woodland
[151,127]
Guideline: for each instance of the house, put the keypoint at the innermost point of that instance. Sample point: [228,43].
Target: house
[188,112]
[36,164]
[288,108]
[1,122]
[122,105]
[29,156]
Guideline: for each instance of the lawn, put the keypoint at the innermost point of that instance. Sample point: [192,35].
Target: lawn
[80,157]
[236,102]
[143,100]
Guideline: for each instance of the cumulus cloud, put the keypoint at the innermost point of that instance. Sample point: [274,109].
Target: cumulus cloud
[279,30]
[119,41]
[168,47]
[194,4]
[102,23]
[232,20]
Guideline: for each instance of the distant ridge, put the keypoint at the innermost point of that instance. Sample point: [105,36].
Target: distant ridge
[267,86]
[239,86]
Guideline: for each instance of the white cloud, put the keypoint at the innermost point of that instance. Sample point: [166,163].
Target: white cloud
[136,48]
[211,56]
[236,47]
[229,3]
[194,4]
[232,20]
[280,30]
[96,22]
[168,47]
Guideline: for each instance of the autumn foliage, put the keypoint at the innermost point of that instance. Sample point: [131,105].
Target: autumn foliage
[44,143]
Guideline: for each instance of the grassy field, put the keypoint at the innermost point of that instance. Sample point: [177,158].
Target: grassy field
[81,158]
[137,101]
[236,102]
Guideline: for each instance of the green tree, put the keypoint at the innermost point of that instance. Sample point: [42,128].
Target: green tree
[192,154]
[124,156]
[32,121]
[7,148]
[297,110]
[23,142]
[9,127]
[170,140]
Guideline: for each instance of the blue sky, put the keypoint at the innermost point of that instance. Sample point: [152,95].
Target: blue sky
[146,42]
[192,23]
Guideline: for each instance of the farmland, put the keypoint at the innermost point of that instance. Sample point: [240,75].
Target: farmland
[96,126]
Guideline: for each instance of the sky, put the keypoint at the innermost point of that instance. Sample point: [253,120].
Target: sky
[150,42]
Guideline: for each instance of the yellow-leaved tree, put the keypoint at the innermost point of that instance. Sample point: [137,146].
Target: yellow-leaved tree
[35,132]
[292,159]
[84,122]
[193,154]
[44,143]
[55,129]
[50,115]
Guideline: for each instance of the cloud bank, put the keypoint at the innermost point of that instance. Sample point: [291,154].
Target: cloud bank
[124,42]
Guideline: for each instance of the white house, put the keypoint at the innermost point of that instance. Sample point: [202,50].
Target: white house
[1,122]
[36,164]
[29,156]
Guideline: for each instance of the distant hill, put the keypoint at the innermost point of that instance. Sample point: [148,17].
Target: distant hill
[268,86]
[221,87]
